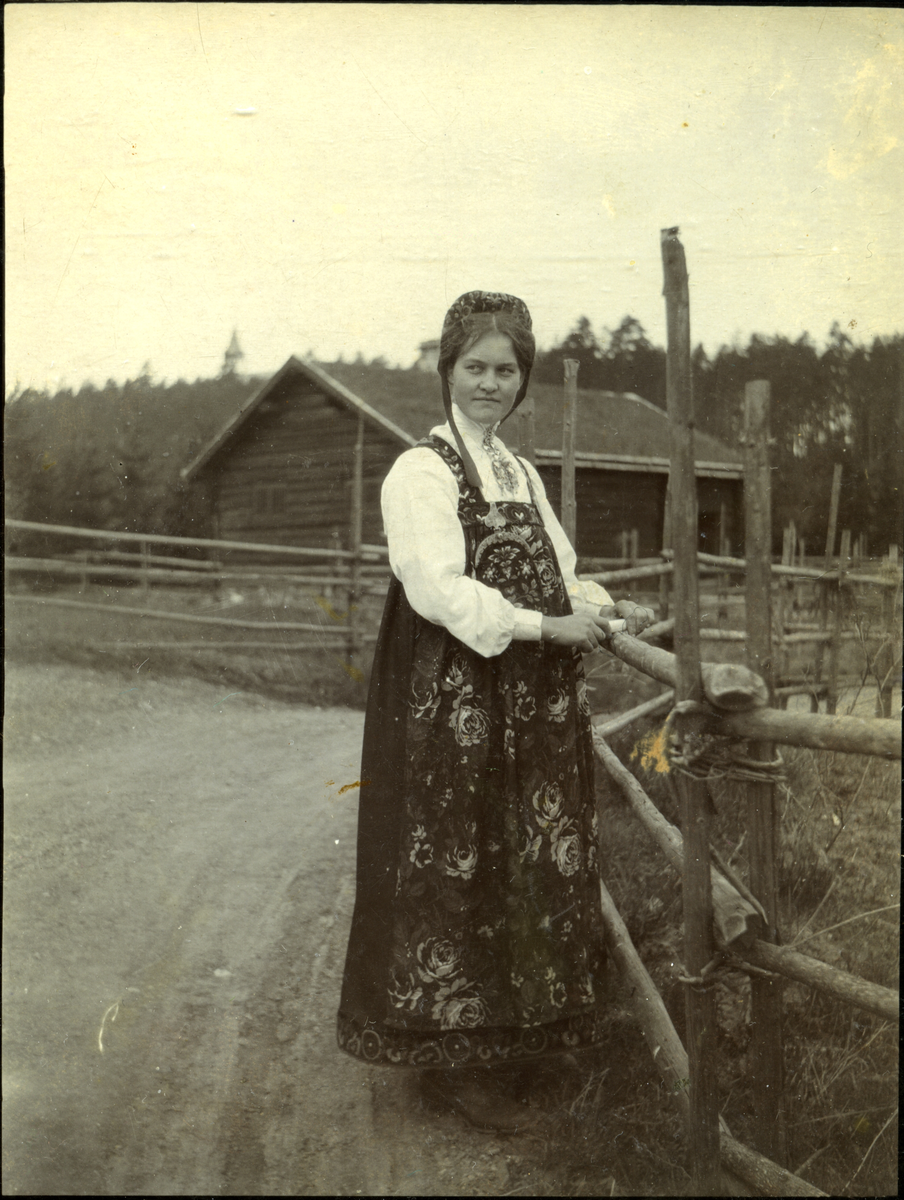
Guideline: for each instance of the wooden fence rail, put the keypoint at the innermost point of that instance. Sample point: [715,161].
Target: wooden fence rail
[728,687]
[739,565]
[367,551]
[191,619]
[188,577]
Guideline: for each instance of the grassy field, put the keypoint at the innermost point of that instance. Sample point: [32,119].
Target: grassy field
[122,641]
[839,873]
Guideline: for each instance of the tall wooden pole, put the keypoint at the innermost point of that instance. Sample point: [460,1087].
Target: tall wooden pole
[703,1131]
[827,589]
[762,814]
[833,515]
[569,420]
[355,538]
[664,580]
[527,430]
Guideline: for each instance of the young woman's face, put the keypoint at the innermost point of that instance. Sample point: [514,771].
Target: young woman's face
[485,379]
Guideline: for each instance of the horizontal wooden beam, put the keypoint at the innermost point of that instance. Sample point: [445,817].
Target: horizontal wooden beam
[879,736]
[626,574]
[727,686]
[850,989]
[649,708]
[169,540]
[154,614]
[189,577]
[726,563]
[330,642]
[730,688]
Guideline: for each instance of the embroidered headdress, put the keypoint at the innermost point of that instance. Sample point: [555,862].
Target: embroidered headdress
[472,315]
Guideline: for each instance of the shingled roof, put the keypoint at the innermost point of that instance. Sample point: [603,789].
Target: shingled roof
[615,430]
[610,425]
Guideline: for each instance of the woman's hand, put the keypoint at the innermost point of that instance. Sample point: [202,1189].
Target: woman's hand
[636,617]
[584,631]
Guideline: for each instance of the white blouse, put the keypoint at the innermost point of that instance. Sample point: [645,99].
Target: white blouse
[427,545]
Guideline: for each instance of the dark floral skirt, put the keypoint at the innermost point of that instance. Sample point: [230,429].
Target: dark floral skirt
[477,934]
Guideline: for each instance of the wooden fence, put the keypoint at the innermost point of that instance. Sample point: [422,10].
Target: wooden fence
[335,578]
[724,918]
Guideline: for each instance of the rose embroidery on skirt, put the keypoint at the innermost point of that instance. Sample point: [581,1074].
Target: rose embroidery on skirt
[525,708]
[548,802]
[462,861]
[457,1008]
[470,725]
[566,848]
[437,960]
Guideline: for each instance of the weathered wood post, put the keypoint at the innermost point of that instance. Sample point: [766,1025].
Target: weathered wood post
[784,608]
[569,420]
[664,579]
[887,654]
[833,515]
[766,1048]
[355,537]
[826,588]
[703,1131]
[836,618]
[527,430]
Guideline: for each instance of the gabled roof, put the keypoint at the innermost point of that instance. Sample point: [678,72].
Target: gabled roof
[325,382]
[614,430]
[613,426]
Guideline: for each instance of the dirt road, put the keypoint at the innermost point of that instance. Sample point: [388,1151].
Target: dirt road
[178,886]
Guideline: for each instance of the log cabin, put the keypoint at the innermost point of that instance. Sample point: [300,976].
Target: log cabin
[283,469]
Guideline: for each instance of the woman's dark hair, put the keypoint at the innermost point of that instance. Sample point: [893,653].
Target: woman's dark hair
[459,337]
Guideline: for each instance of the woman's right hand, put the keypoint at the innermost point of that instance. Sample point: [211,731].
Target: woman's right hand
[583,631]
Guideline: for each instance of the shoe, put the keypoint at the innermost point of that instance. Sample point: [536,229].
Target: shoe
[542,1081]
[475,1095]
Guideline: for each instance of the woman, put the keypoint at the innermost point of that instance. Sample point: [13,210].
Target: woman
[476,939]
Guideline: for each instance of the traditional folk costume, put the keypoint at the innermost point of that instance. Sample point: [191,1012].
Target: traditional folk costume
[476,935]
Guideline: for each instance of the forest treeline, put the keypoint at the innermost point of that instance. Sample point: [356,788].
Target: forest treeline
[110,457]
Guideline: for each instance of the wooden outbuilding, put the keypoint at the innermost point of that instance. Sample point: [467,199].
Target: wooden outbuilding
[288,466]
[300,464]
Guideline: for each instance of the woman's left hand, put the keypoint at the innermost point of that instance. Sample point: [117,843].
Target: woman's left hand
[636,617]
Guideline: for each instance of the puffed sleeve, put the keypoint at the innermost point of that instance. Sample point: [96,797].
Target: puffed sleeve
[586,596]
[427,554]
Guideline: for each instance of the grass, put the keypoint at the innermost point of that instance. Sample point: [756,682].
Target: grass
[93,638]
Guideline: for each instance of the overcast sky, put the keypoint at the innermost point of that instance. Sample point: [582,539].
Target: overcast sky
[330,177]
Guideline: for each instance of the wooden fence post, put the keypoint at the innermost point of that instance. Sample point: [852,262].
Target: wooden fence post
[569,420]
[836,617]
[527,430]
[833,516]
[357,524]
[664,579]
[766,1049]
[887,654]
[703,1132]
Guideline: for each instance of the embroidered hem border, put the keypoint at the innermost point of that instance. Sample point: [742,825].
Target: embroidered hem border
[458,1048]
